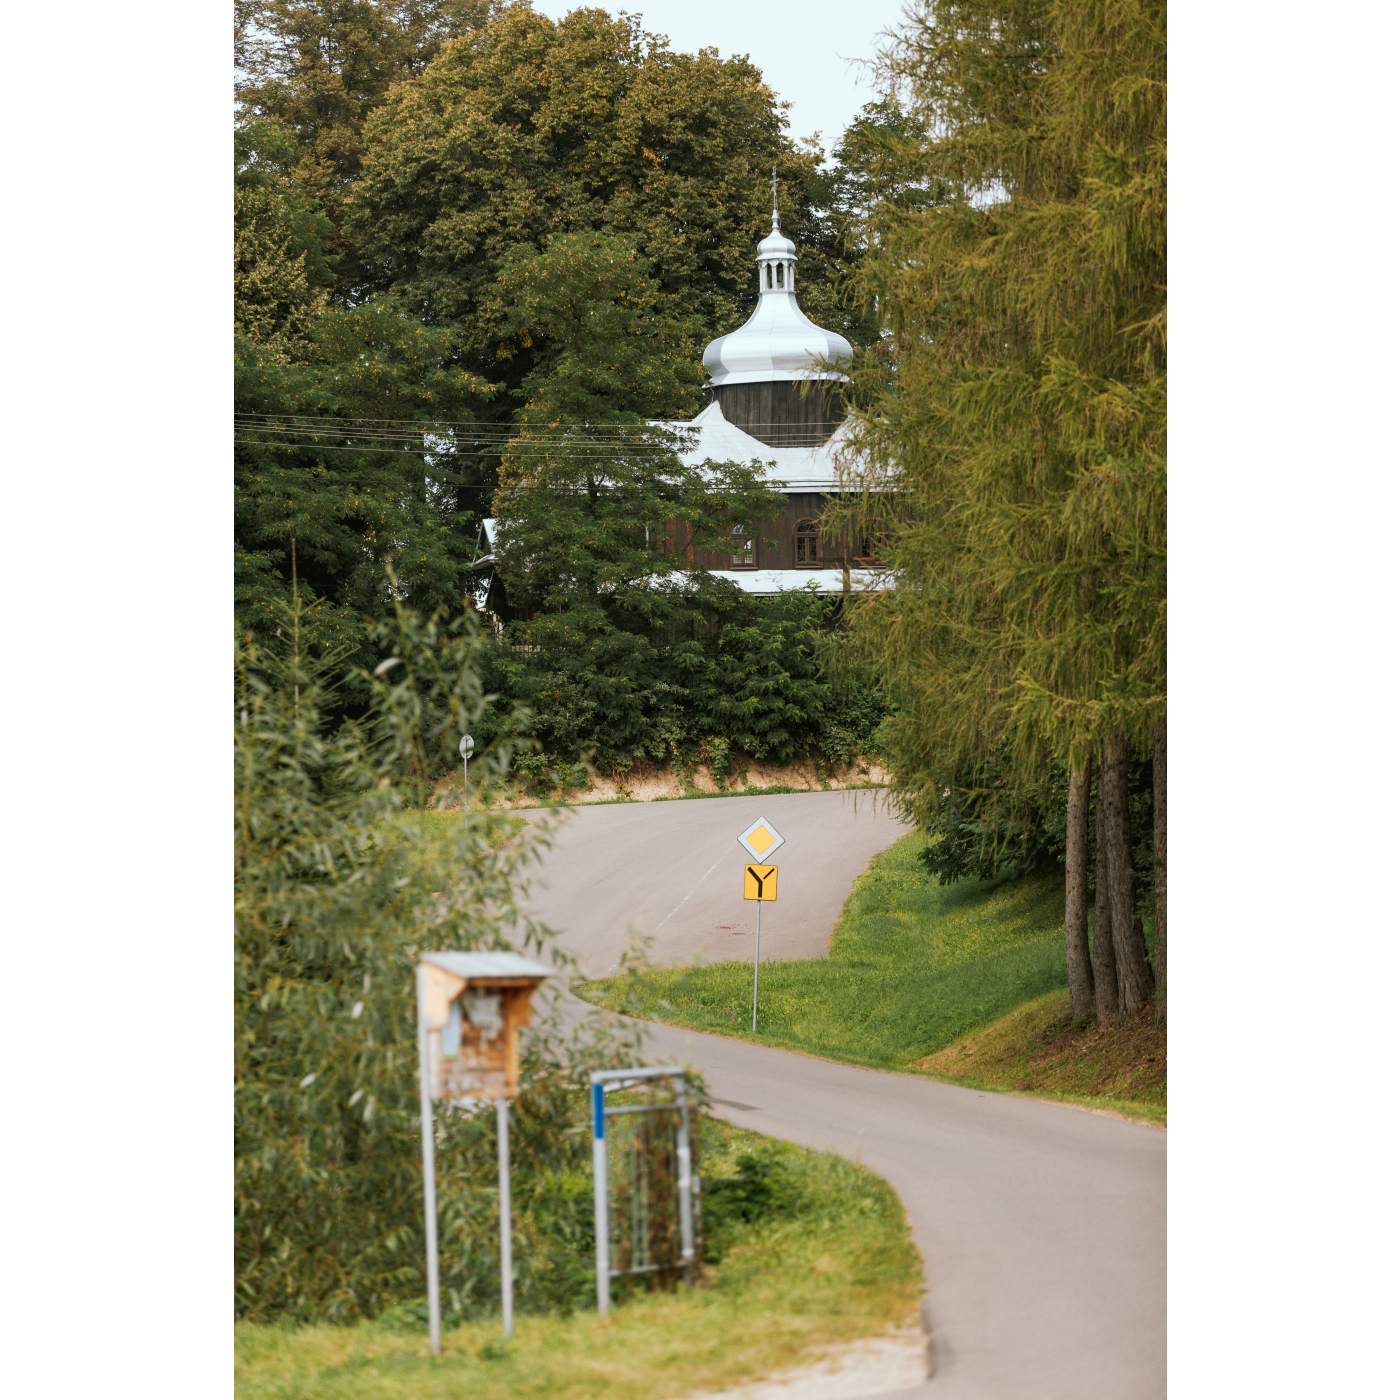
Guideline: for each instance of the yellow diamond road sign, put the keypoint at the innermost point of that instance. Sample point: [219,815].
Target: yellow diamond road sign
[761,839]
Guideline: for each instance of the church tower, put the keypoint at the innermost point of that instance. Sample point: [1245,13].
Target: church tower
[757,373]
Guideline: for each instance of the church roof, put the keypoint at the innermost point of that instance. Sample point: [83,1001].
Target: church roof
[777,343]
[790,469]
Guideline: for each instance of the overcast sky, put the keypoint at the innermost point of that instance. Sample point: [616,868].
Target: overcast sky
[802,49]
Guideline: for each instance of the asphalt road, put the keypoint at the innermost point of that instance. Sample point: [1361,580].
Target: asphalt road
[674,871]
[1042,1227]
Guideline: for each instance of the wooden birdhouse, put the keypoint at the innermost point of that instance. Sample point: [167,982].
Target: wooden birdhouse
[471,1008]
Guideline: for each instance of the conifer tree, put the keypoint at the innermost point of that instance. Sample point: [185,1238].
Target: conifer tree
[1011,442]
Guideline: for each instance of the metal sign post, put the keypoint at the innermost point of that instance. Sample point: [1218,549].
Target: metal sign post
[507,1264]
[429,1171]
[757,929]
[465,749]
[470,1008]
[760,883]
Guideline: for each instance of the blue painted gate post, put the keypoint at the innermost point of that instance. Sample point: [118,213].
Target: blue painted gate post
[600,1199]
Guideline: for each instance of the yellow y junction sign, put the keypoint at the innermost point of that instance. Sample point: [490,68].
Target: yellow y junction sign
[760,882]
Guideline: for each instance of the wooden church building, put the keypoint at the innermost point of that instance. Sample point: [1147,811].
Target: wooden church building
[758,411]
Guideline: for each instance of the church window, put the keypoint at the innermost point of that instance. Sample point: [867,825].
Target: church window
[780,274]
[806,542]
[770,274]
[743,548]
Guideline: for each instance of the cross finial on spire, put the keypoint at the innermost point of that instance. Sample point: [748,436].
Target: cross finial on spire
[775,199]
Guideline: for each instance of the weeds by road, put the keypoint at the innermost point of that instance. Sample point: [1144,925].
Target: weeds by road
[809,1250]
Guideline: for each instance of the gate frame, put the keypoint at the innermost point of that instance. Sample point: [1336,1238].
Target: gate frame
[602,1082]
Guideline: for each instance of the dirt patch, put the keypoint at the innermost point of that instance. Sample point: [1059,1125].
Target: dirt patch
[1039,1049]
[648,784]
[877,1366]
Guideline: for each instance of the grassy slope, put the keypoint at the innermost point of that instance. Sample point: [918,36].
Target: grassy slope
[838,1266]
[1037,1049]
[912,967]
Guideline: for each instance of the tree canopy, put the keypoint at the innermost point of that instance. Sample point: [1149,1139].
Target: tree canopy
[530,127]
[1015,431]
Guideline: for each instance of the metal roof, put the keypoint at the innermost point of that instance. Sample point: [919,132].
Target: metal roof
[492,964]
[777,343]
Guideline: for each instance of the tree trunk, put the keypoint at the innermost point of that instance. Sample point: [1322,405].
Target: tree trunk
[1105,964]
[1129,944]
[1159,862]
[1081,972]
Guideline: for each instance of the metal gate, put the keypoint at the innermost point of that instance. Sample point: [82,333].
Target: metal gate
[645,1192]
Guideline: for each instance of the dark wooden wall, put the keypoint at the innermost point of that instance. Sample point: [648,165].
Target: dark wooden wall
[781,554]
[779,414]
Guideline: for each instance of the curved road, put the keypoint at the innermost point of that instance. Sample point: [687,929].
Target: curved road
[1042,1227]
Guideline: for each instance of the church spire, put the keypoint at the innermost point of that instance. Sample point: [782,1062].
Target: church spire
[777,256]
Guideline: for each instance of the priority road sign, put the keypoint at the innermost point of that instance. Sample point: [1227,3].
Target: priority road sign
[760,882]
[761,839]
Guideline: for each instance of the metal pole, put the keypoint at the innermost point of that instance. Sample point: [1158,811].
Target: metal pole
[600,1200]
[429,1178]
[683,1162]
[465,749]
[758,925]
[507,1273]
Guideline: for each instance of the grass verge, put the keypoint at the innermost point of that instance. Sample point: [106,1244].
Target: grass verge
[1039,1049]
[965,982]
[825,1258]
[912,967]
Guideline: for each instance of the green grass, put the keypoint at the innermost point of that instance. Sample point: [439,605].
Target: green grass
[912,967]
[831,1263]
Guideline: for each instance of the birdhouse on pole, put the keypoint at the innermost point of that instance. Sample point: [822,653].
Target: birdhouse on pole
[473,1006]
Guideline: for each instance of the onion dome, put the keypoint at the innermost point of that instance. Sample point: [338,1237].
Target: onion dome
[777,343]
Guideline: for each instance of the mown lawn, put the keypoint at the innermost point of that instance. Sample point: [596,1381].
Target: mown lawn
[911,968]
[825,1258]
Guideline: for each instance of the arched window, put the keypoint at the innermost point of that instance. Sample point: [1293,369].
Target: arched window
[806,543]
[780,274]
[743,548]
[868,541]
[770,274]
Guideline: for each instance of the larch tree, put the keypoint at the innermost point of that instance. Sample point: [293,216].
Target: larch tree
[1011,432]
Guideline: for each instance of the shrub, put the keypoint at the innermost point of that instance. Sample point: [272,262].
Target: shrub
[339,883]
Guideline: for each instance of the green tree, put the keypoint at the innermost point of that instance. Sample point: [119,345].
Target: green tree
[1013,443]
[528,128]
[341,459]
[598,515]
[281,269]
[316,71]
[341,880]
[868,172]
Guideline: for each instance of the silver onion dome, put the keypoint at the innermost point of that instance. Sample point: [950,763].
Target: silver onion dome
[777,342]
